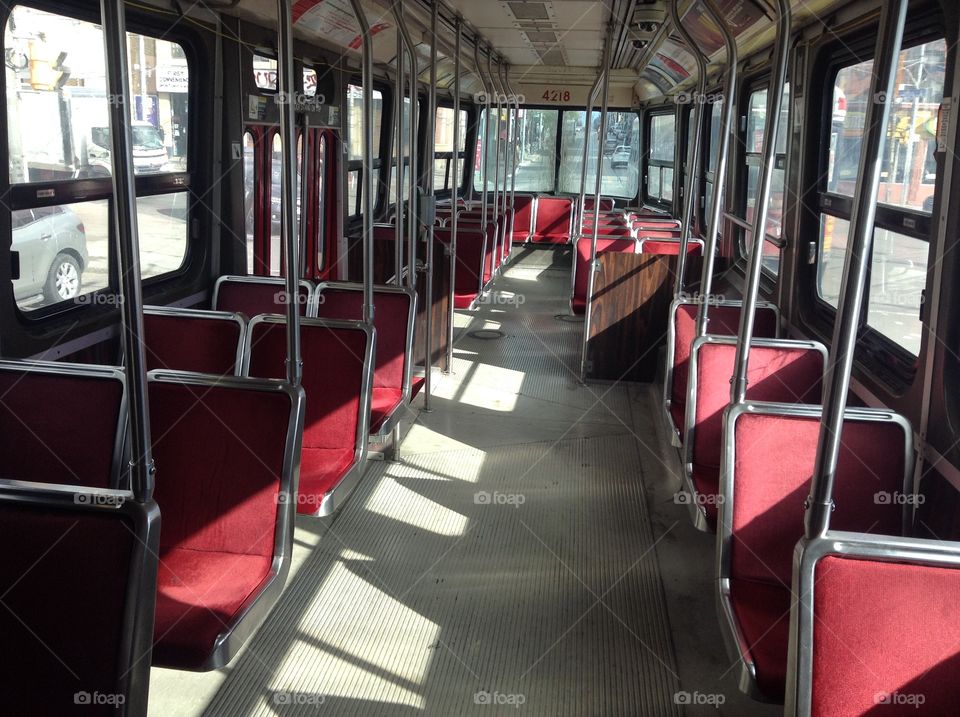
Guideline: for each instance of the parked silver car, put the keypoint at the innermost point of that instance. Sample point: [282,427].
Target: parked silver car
[52,245]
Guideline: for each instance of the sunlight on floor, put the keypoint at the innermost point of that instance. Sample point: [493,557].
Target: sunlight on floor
[392,500]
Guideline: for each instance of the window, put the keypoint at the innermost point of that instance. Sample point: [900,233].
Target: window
[621,153]
[898,265]
[309,82]
[536,146]
[753,153]
[248,195]
[321,220]
[265,72]
[355,143]
[443,139]
[712,154]
[392,188]
[662,140]
[58,131]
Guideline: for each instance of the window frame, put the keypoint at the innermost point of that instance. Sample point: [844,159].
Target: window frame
[91,189]
[383,141]
[660,164]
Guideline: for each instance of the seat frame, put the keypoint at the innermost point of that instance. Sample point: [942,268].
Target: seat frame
[733,638]
[278,281]
[388,425]
[60,368]
[133,678]
[207,314]
[255,610]
[342,490]
[671,353]
[696,514]
[873,548]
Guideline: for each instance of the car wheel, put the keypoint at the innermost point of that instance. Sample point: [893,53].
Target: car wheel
[63,281]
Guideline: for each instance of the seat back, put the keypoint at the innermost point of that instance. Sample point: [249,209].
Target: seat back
[523,206]
[666,246]
[768,463]
[78,580]
[553,219]
[469,263]
[254,295]
[878,626]
[62,423]
[724,320]
[488,250]
[581,269]
[337,375]
[192,340]
[779,372]
[606,203]
[396,309]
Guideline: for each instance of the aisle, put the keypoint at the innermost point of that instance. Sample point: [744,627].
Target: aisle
[507,562]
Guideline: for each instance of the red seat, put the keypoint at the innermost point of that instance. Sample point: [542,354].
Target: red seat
[393,320]
[470,259]
[61,423]
[581,269]
[337,378]
[606,203]
[522,217]
[723,320]
[764,509]
[78,579]
[783,372]
[188,340]
[553,220]
[897,617]
[254,295]
[226,456]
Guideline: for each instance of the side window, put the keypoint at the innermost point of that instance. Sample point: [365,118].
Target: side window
[58,132]
[443,138]
[248,195]
[898,265]
[536,150]
[321,221]
[753,146]
[621,153]
[661,142]
[355,141]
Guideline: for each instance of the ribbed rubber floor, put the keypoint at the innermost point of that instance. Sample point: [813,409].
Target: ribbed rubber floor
[505,566]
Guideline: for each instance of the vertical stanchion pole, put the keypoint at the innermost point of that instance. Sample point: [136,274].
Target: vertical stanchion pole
[738,384]
[398,95]
[412,201]
[496,157]
[484,169]
[366,189]
[691,193]
[726,128]
[598,187]
[856,266]
[455,185]
[430,152]
[126,236]
[588,120]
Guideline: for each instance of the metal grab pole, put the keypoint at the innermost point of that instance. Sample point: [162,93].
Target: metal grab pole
[126,235]
[726,127]
[496,158]
[398,104]
[856,266]
[366,189]
[738,384]
[483,165]
[430,150]
[588,120]
[412,203]
[454,184]
[508,149]
[513,148]
[598,186]
[692,188]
